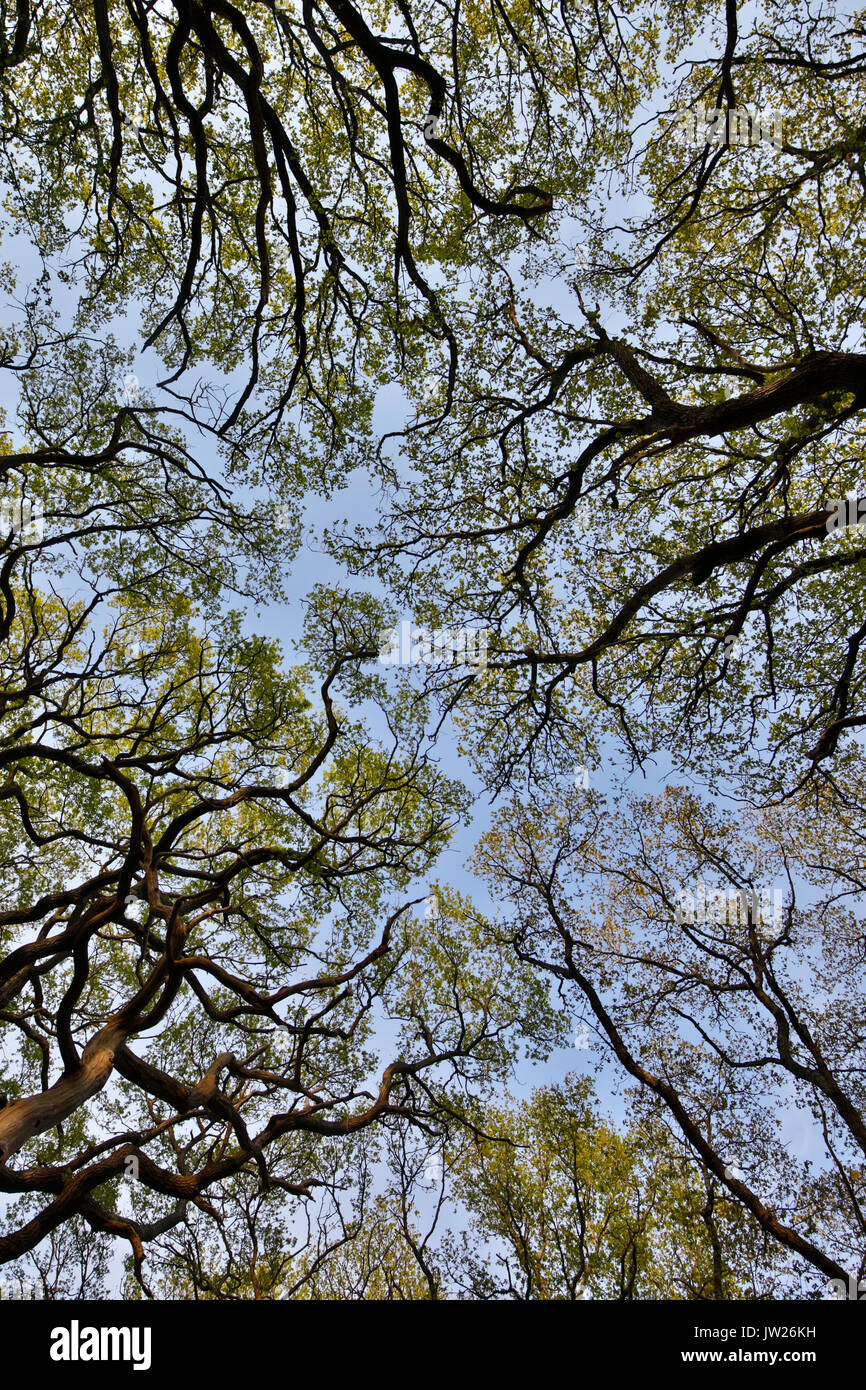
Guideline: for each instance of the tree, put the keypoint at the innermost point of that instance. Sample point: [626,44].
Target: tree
[636,486]
[552,1202]
[167,784]
[648,494]
[286,213]
[729,1006]
[148,848]
[565,1206]
[263,187]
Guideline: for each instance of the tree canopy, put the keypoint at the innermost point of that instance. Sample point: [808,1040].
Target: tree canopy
[573,296]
